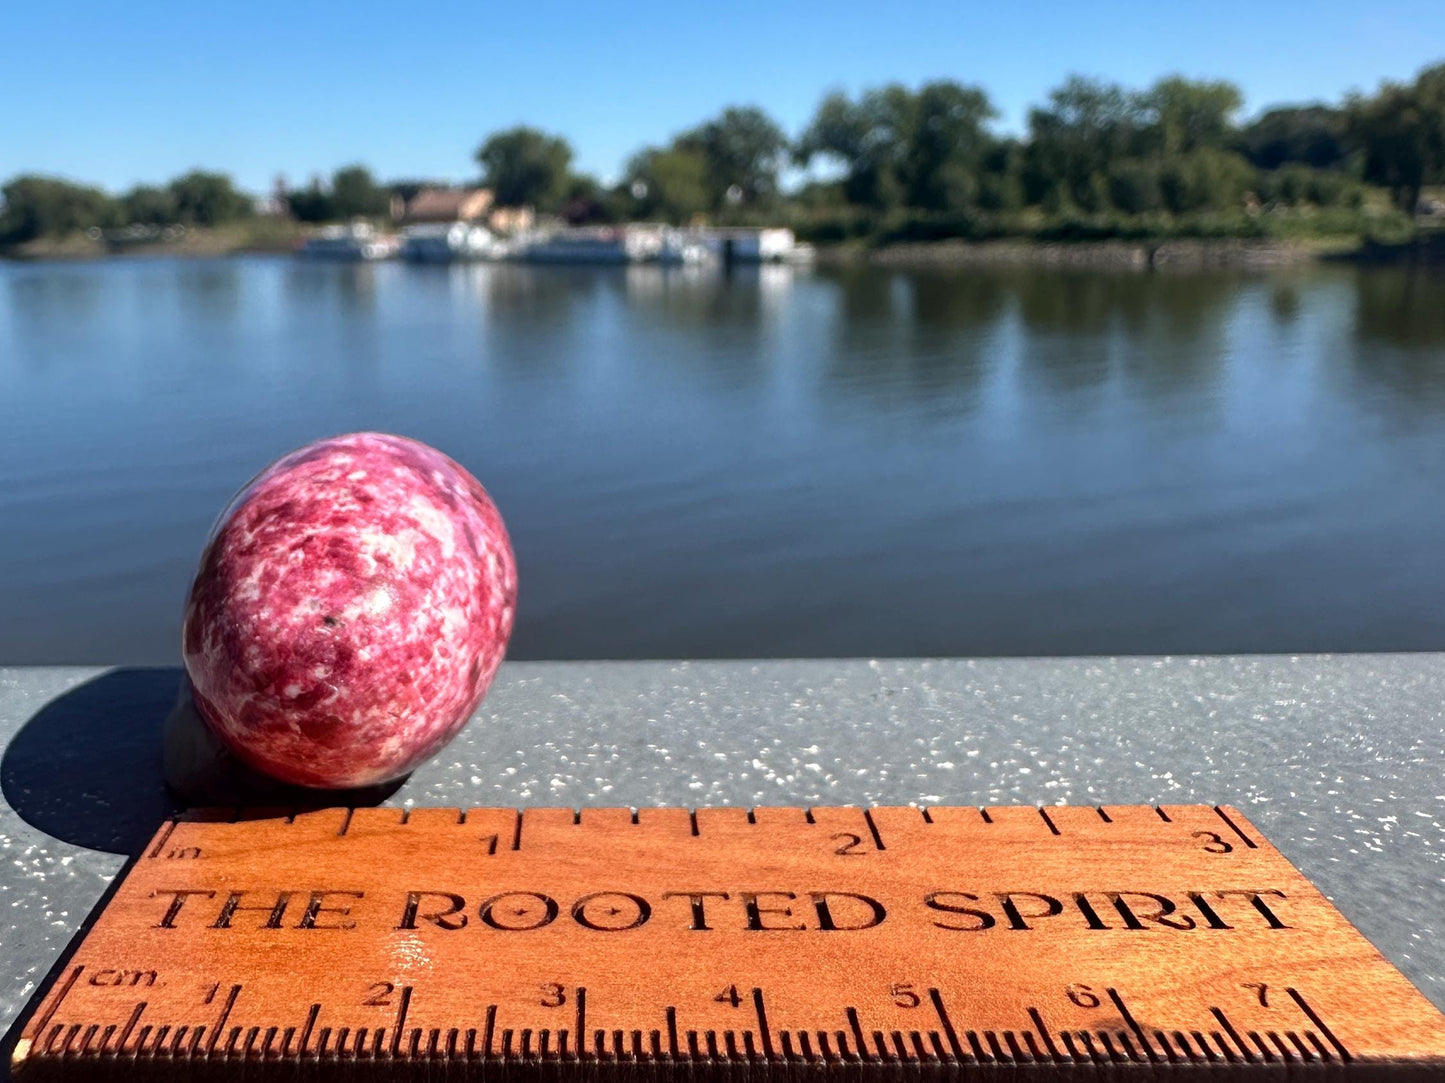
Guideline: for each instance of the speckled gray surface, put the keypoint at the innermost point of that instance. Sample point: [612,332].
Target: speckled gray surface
[1340,760]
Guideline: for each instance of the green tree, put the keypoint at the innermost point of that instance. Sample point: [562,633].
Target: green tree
[586,201]
[1205,180]
[1295,184]
[1189,115]
[1000,185]
[1134,186]
[924,148]
[312,204]
[669,183]
[40,206]
[148,205]
[1401,133]
[207,199]
[355,193]
[743,149]
[1312,135]
[867,137]
[1086,127]
[947,141]
[526,166]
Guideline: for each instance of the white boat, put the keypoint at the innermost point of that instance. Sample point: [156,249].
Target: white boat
[749,245]
[356,241]
[598,244]
[448,242]
[681,249]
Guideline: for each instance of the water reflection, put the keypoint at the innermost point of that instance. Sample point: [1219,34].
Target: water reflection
[209,290]
[346,289]
[847,460]
[1399,343]
[46,299]
[1284,302]
[1176,340]
[917,343]
[1401,305]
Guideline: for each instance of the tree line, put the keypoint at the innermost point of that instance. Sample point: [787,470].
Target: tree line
[927,157]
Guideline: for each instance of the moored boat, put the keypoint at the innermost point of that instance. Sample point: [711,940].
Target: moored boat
[355,241]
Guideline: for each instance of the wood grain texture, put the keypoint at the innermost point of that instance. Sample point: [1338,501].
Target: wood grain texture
[778,943]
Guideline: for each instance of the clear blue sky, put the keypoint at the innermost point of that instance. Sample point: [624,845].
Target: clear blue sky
[118,93]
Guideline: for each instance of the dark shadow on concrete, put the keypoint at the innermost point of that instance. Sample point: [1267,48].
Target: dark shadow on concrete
[86,768]
[92,766]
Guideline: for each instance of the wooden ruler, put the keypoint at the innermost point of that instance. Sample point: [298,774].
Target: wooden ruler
[1008,943]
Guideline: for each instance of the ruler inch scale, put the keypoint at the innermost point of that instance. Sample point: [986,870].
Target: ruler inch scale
[1005,943]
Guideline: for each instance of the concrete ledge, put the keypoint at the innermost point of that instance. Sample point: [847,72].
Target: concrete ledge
[1340,760]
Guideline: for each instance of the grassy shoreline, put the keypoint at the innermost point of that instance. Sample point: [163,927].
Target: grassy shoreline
[1124,253]
[259,235]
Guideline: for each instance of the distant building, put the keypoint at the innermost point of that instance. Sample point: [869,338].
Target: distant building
[448,205]
[511,220]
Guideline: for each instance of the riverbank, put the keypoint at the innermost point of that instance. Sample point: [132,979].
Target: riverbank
[236,238]
[1104,255]
[276,236]
[1427,247]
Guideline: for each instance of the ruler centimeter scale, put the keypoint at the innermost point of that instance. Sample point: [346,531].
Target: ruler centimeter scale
[1018,943]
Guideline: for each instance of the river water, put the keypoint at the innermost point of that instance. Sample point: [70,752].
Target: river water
[774,462]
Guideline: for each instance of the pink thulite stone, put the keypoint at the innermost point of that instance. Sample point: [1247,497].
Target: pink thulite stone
[350,611]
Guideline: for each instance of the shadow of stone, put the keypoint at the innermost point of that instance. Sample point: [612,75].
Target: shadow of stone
[86,768]
[104,764]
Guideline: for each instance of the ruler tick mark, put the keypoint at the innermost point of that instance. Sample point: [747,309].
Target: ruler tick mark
[1053,830]
[1314,1018]
[1234,1037]
[400,1018]
[764,1035]
[857,1029]
[1319,1045]
[307,1028]
[1235,828]
[164,837]
[581,1030]
[44,1018]
[1044,1034]
[1132,1023]
[129,1026]
[225,1014]
[873,829]
[946,1022]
